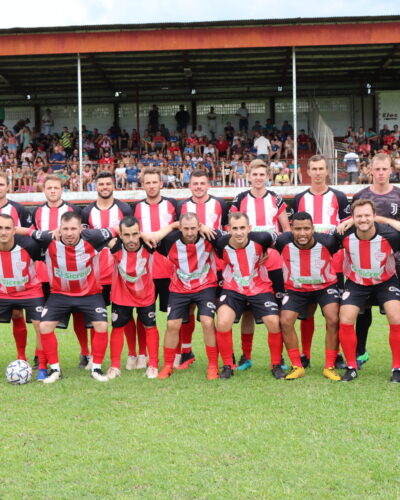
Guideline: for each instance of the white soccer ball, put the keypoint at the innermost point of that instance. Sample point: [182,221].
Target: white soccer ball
[19,372]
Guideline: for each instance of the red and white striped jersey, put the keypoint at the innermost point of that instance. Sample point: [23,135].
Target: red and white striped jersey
[47,218]
[132,283]
[213,213]
[17,270]
[305,270]
[71,268]
[194,263]
[327,209]
[263,212]
[21,216]
[152,217]
[242,270]
[96,218]
[370,262]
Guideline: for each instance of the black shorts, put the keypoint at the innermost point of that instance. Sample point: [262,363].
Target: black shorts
[162,292]
[58,306]
[178,304]
[261,305]
[121,315]
[298,301]
[364,296]
[106,291]
[33,308]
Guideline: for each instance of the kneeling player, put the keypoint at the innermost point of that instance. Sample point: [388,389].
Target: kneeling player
[242,251]
[309,279]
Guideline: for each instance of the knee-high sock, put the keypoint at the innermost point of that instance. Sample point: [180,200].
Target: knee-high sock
[50,347]
[348,341]
[152,340]
[20,333]
[116,346]
[81,332]
[42,359]
[225,346]
[212,355]
[99,347]
[362,326]
[307,333]
[186,334]
[275,343]
[247,344]
[130,335]
[294,356]
[169,356]
[141,335]
[330,357]
[394,341]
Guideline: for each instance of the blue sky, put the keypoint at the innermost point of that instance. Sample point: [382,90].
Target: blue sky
[28,13]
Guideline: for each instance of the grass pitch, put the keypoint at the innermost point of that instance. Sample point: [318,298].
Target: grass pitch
[189,438]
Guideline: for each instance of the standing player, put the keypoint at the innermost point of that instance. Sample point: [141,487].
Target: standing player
[107,211]
[267,212]
[154,213]
[213,213]
[74,285]
[309,279]
[328,208]
[369,266]
[241,251]
[193,281]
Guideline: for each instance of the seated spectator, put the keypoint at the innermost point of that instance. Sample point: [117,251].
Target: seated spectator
[237,148]
[364,148]
[222,148]
[276,148]
[132,176]
[239,172]
[351,161]
[282,178]
[292,173]
[57,159]
[185,175]
[134,140]
[303,141]
[229,132]
[107,162]
[120,175]
[210,150]
[158,142]
[288,147]
[171,178]
[394,176]
[286,128]
[146,141]
[123,140]
[365,176]
[390,139]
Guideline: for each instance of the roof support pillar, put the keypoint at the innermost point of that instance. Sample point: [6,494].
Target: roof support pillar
[79,82]
[294,85]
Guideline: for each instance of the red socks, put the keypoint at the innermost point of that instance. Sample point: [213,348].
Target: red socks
[50,347]
[169,356]
[186,334]
[275,343]
[99,346]
[294,356]
[247,344]
[348,340]
[212,355]
[141,334]
[20,335]
[42,359]
[116,346]
[330,357]
[152,340]
[130,335]
[307,332]
[225,346]
[81,332]
[394,341]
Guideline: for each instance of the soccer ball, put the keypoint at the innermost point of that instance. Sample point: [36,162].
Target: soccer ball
[19,372]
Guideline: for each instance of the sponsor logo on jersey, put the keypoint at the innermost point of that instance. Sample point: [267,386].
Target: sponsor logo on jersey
[193,276]
[367,273]
[10,282]
[72,275]
[131,279]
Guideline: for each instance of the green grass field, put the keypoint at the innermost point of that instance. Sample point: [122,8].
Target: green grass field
[183,438]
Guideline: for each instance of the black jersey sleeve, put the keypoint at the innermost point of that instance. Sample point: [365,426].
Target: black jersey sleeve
[390,234]
[24,215]
[124,207]
[75,208]
[282,240]
[179,207]
[174,203]
[295,205]
[30,245]
[220,242]
[263,238]
[344,205]
[224,212]
[43,238]
[237,201]
[98,238]
[166,243]
[85,214]
[276,277]
[329,241]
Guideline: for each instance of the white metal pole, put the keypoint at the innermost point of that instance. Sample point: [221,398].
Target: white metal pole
[294,114]
[80,124]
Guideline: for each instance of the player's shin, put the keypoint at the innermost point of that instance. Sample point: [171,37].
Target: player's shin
[394,341]
[100,341]
[307,333]
[141,334]
[225,346]
[152,341]
[20,334]
[186,334]
[81,332]
[130,335]
[116,346]
[275,344]
[348,341]
[50,347]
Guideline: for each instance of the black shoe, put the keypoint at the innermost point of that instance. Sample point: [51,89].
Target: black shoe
[349,375]
[395,378]
[234,359]
[340,363]
[305,362]
[226,372]
[277,372]
[35,364]
[186,356]
[83,361]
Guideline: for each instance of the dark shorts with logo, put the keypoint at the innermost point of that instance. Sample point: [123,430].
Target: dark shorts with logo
[59,306]
[263,304]
[33,308]
[298,301]
[162,292]
[364,296]
[121,315]
[178,304]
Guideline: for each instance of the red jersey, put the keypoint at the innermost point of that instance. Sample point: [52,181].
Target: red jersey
[21,216]
[152,217]
[73,269]
[213,212]
[306,270]
[17,270]
[242,270]
[194,263]
[370,262]
[132,283]
[263,212]
[47,218]
[96,218]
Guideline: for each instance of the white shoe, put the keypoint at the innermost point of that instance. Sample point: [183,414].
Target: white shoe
[113,372]
[131,363]
[90,363]
[98,375]
[152,372]
[53,377]
[177,360]
[141,362]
